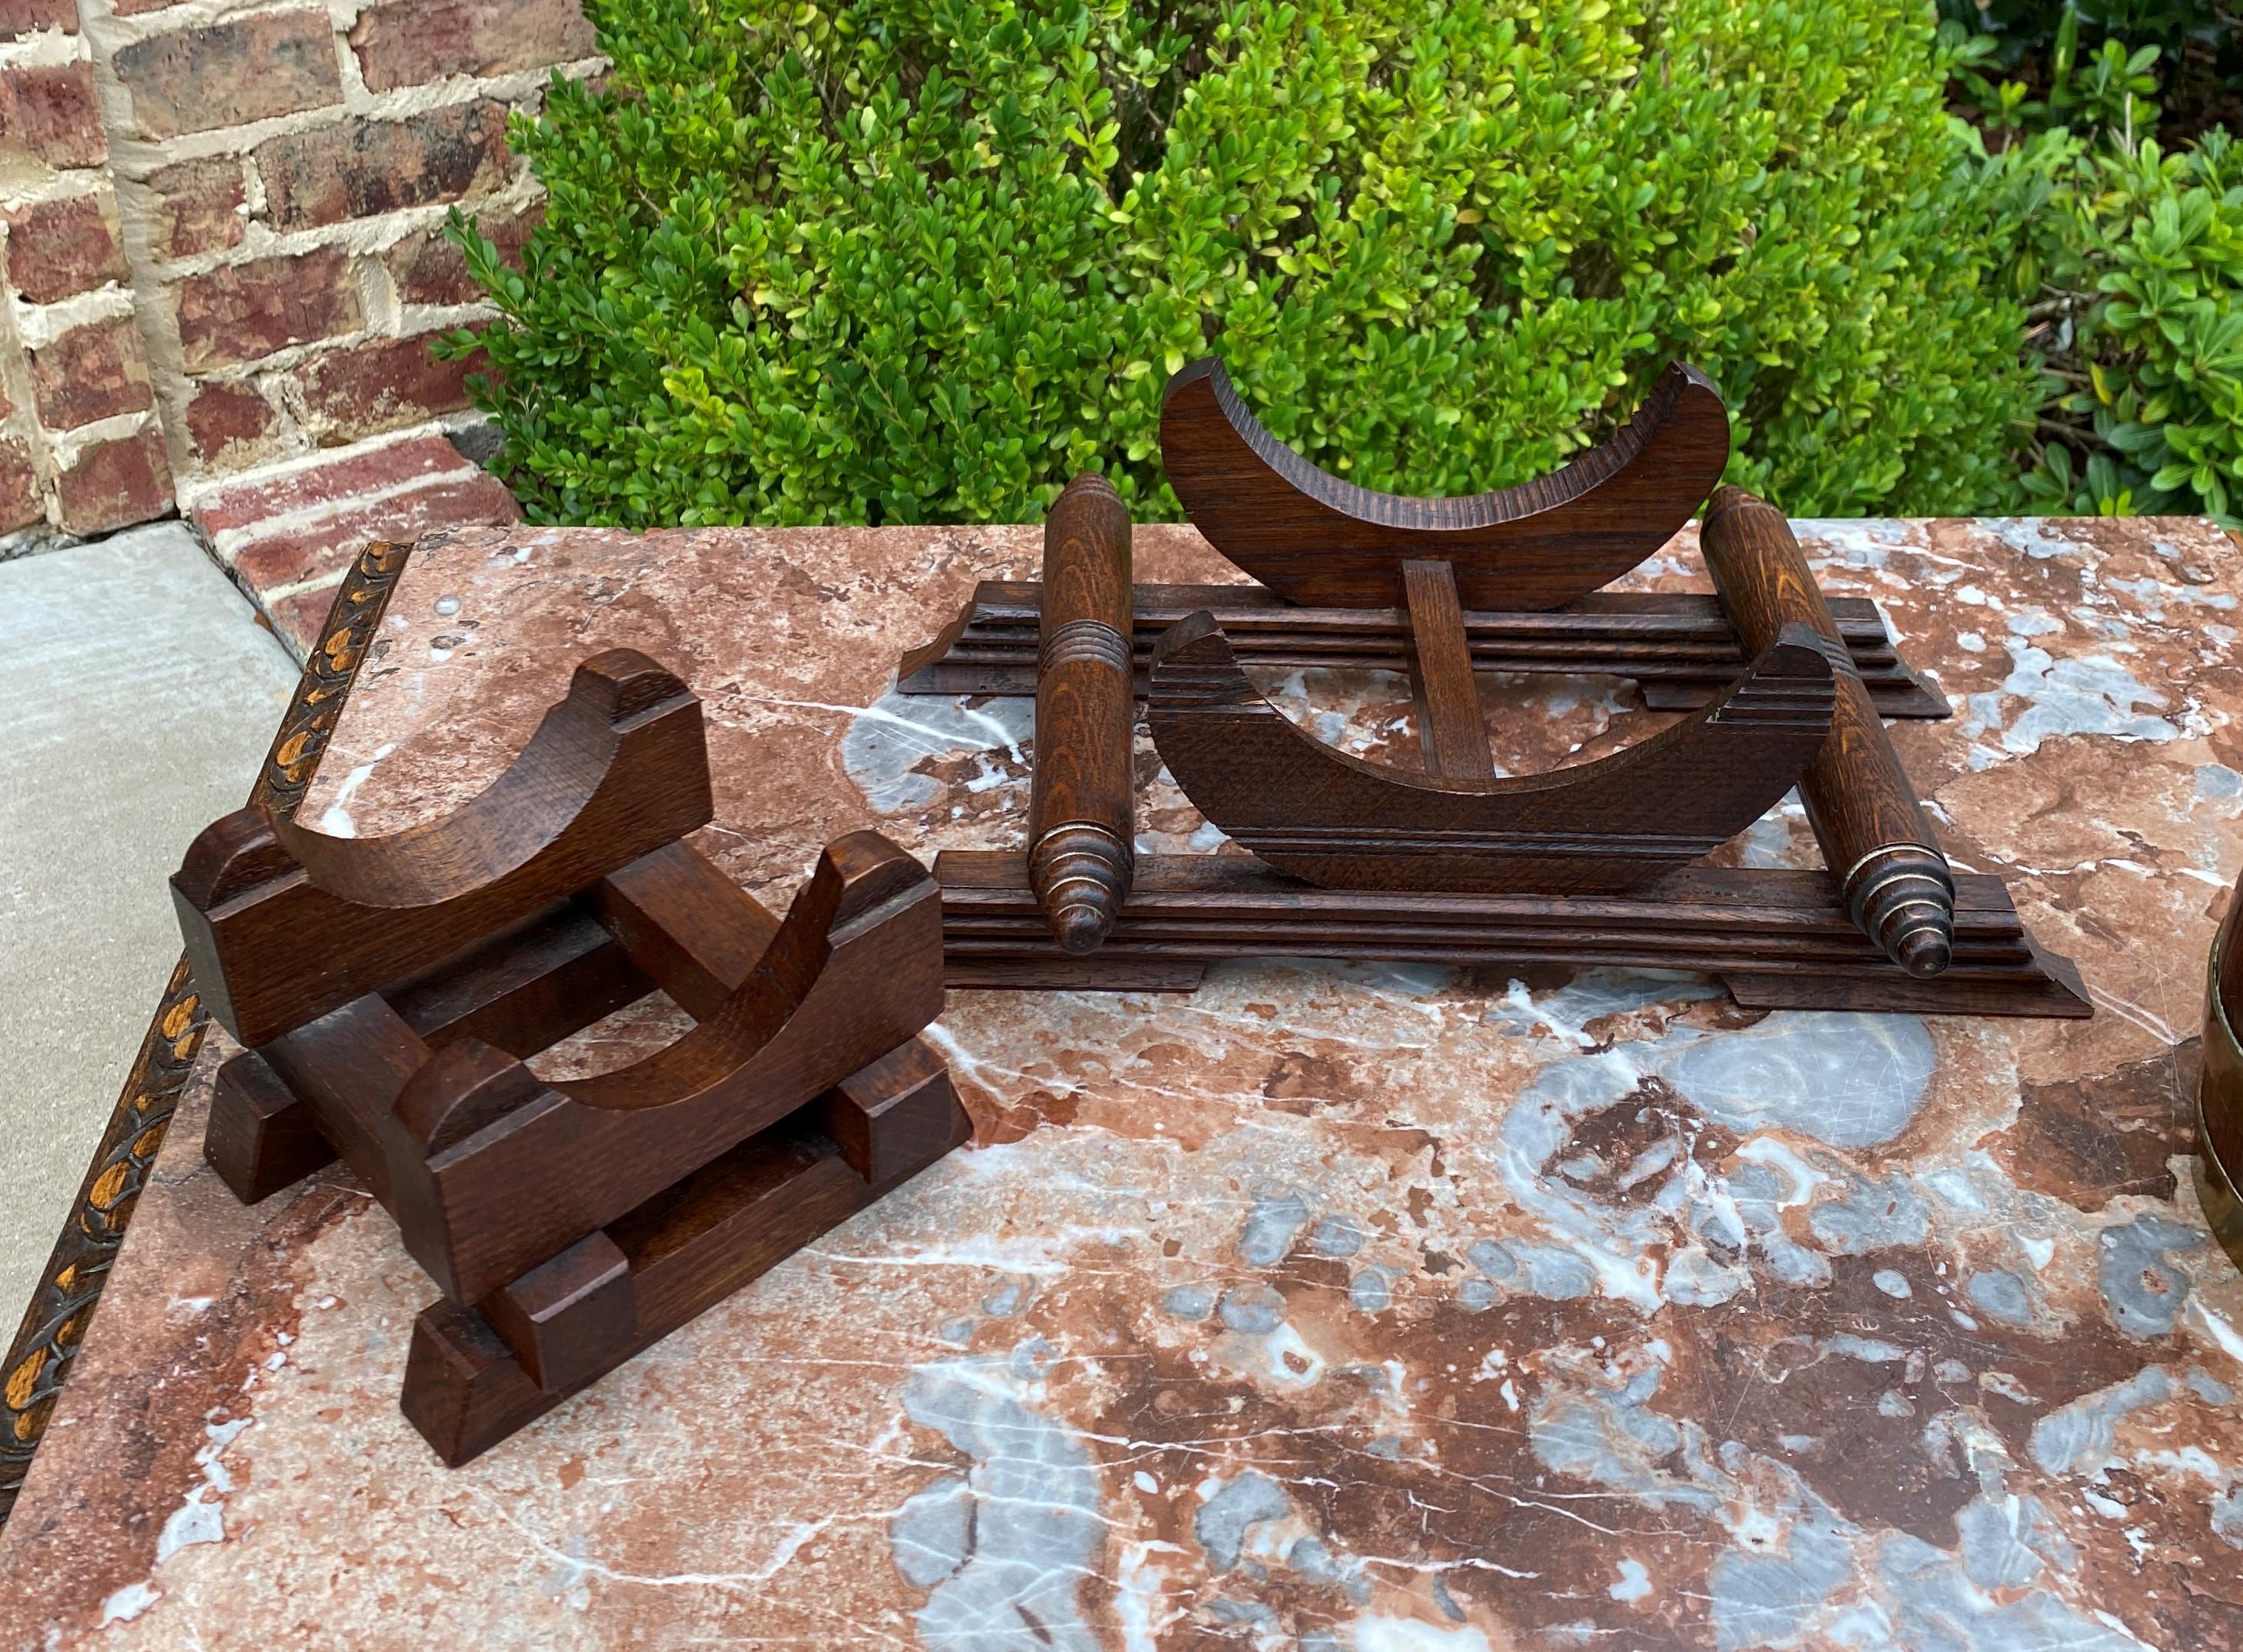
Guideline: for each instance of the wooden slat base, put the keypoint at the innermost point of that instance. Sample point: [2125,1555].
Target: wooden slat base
[688,1249]
[1776,938]
[1678,647]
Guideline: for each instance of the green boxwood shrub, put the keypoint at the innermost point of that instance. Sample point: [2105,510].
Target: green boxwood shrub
[2130,259]
[918,260]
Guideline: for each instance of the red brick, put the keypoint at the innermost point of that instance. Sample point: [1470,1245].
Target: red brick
[363,389]
[228,74]
[140,8]
[62,247]
[196,207]
[301,620]
[410,42]
[361,168]
[245,311]
[19,488]
[48,112]
[330,486]
[27,17]
[115,484]
[230,425]
[429,269]
[92,371]
[281,560]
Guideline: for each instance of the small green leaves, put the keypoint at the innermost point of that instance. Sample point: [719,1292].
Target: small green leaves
[879,261]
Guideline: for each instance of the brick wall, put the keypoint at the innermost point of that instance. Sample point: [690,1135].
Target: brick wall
[80,445]
[223,218]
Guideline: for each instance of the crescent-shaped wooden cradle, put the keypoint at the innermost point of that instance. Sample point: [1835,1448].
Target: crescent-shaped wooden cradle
[392,988]
[1320,541]
[1606,827]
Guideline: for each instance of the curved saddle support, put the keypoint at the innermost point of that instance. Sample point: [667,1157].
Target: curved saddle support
[1323,542]
[493,1169]
[1598,828]
[283,923]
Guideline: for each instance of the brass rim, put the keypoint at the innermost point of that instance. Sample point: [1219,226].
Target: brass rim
[2215,1182]
[2223,1205]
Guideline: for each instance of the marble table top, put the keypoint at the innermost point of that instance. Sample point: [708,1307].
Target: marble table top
[1342,1308]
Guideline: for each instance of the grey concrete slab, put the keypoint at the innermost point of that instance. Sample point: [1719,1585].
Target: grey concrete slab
[137,694]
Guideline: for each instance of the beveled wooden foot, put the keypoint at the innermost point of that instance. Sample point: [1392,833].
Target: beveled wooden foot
[260,1138]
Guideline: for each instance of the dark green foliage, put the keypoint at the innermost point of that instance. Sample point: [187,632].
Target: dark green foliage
[2131,261]
[2200,40]
[918,260]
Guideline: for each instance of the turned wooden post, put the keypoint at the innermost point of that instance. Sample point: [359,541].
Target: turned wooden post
[1081,812]
[1896,882]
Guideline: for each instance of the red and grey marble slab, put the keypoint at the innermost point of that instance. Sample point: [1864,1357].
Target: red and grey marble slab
[1343,1309]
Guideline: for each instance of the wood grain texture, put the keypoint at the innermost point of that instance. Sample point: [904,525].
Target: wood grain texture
[260,1137]
[1765,932]
[526,989]
[283,924]
[1865,814]
[686,1250]
[1316,540]
[1678,647]
[494,1169]
[894,1114]
[1606,826]
[569,1318]
[522,992]
[696,934]
[561,893]
[1082,794]
[1452,733]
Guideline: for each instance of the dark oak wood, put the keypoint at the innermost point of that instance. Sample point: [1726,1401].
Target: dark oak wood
[1616,824]
[893,1116]
[260,1138]
[1450,730]
[526,989]
[684,1250]
[565,1318]
[696,933]
[617,770]
[1315,539]
[1865,814]
[349,1067]
[1083,795]
[510,1191]
[1678,647]
[1772,937]
[489,1170]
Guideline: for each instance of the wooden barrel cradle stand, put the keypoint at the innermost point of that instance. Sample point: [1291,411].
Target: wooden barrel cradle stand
[2220,1088]
[390,991]
[1596,865]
